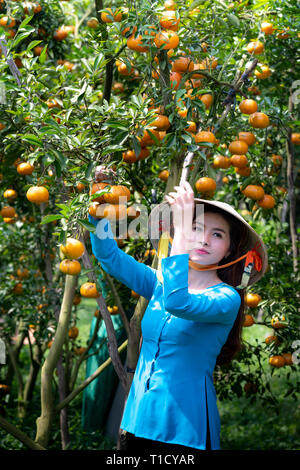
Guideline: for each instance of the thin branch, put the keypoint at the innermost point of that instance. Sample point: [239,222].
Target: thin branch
[11,429]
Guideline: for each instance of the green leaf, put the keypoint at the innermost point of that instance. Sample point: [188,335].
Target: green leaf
[50,218]
[32,139]
[25,22]
[233,20]
[19,37]
[59,157]
[196,3]
[87,225]
[136,145]
[42,56]
[33,44]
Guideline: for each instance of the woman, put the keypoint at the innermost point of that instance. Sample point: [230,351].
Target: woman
[193,321]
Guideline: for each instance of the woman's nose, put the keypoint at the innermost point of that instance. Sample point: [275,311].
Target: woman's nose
[204,238]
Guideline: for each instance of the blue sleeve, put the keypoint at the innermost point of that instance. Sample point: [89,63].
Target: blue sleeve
[219,305]
[137,276]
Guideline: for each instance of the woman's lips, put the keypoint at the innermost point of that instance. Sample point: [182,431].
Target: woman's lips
[202,252]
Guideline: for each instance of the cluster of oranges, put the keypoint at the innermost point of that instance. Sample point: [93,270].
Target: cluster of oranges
[252,300]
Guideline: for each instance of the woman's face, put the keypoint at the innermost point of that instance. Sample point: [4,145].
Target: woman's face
[210,243]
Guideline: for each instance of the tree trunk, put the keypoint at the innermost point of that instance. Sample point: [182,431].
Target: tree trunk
[44,422]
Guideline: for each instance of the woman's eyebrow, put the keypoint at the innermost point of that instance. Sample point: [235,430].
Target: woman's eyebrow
[214,228]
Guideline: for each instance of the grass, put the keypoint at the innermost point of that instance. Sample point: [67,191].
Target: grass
[251,423]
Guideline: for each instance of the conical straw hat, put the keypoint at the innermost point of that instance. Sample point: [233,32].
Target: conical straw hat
[161,220]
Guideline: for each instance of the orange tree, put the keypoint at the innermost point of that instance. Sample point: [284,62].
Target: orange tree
[125,101]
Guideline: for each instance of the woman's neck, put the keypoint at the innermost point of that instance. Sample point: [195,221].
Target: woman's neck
[202,279]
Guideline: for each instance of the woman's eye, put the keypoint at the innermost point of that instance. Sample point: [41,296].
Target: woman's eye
[218,234]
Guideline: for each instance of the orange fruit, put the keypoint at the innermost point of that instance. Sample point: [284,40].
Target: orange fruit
[18,288]
[73,332]
[207,99]
[267,202]
[267,28]
[238,147]
[252,300]
[248,106]
[77,299]
[175,79]
[277,361]
[169,20]
[254,192]
[129,156]
[52,103]
[108,16]
[7,22]
[112,211]
[163,175]
[161,123]
[182,65]
[68,266]
[80,351]
[113,310]
[275,322]
[92,23]
[295,138]
[170,5]
[191,127]
[73,248]
[246,171]
[239,161]
[97,187]
[221,162]
[115,193]
[169,39]
[132,212]
[259,120]
[272,339]
[129,29]
[255,47]
[254,90]
[37,194]
[135,294]
[248,320]
[136,43]
[205,185]
[80,187]
[205,136]
[247,137]
[210,62]
[89,289]
[265,72]
[10,194]
[60,34]
[283,34]
[288,358]
[8,211]
[25,168]
[23,273]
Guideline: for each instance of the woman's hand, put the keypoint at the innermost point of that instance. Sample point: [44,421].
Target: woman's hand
[182,204]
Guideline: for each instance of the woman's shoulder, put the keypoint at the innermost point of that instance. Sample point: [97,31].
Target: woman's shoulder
[229,291]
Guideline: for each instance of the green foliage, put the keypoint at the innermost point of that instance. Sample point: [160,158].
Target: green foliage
[75,110]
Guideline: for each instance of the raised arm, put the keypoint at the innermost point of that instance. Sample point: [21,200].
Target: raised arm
[137,276]
[219,305]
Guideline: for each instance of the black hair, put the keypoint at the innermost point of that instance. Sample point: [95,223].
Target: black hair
[232,275]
